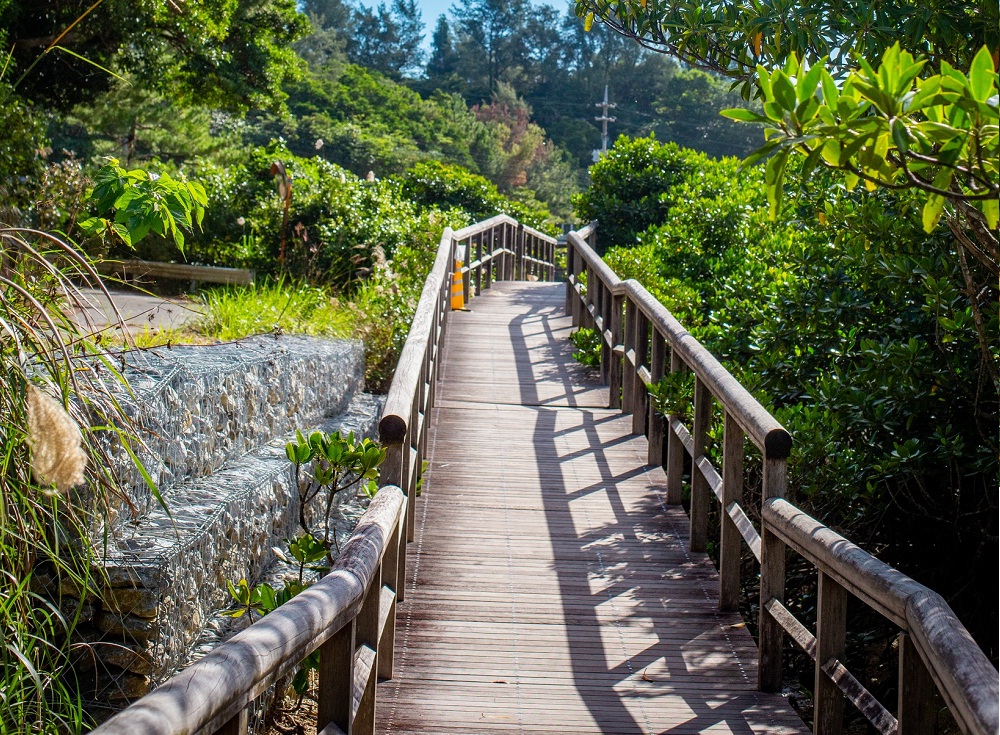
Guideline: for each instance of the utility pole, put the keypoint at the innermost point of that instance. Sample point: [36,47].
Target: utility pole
[604,119]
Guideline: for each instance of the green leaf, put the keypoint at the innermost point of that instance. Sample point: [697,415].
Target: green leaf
[932,211]
[982,77]
[784,92]
[991,209]
[900,136]
[743,115]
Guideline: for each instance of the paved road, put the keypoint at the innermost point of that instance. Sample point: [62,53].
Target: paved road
[137,310]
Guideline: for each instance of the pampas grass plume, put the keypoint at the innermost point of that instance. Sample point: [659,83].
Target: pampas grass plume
[57,457]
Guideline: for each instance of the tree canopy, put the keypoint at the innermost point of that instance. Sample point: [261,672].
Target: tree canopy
[229,53]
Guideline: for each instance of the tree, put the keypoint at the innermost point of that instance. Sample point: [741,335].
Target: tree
[229,53]
[388,40]
[732,37]
[918,123]
[490,44]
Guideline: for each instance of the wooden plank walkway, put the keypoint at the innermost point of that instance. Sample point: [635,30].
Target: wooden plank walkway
[551,590]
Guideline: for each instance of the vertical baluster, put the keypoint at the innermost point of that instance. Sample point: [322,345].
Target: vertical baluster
[393,577]
[915,712]
[606,354]
[488,248]
[772,580]
[640,402]
[831,628]
[729,535]
[629,377]
[390,472]
[237,725]
[479,260]
[409,484]
[657,364]
[615,369]
[675,448]
[467,274]
[577,305]
[700,491]
[366,634]
[335,696]
[521,274]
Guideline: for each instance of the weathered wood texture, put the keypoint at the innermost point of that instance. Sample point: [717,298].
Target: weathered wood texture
[550,587]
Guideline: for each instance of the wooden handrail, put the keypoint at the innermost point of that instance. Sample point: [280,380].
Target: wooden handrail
[962,672]
[496,221]
[349,615]
[505,250]
[213,694]
[761,427]
[641,341]
[180,271]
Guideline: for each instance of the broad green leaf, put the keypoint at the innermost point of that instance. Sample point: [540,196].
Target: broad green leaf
[743,115]
[982,77]
[991,210]
[899,135]
[932,211]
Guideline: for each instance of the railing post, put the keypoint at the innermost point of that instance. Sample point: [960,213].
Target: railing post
[607,355]
[640,401]
[336,680]
[629,377]
[700,491]
[488,266]
[479,260]
[675,448]
[657,365]
[576,305]
[772,580]
[409,484]
[615,368]
[393,578]
[366,634]
[729,535]
[467,272]
[915,710]
[831,628]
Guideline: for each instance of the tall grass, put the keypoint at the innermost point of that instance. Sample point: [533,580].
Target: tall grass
[279,306]
[47,558]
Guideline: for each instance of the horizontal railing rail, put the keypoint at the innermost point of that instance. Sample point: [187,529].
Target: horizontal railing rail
[349,615]
[178,271]
[501,249]
[640,342]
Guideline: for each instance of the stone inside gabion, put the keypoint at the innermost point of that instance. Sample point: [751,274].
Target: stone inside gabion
[215,423]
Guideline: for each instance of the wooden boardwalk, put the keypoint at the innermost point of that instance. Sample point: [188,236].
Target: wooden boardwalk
[551,590]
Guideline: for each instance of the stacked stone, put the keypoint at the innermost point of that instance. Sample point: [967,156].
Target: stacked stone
[215,421]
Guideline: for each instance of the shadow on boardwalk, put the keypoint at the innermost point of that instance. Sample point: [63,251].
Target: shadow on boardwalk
[552,590]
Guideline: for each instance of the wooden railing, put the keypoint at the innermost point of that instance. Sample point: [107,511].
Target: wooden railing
[500,249]
[640,341]
[345,616]
[349,616]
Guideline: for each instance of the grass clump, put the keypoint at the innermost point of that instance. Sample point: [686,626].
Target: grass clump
[277,306]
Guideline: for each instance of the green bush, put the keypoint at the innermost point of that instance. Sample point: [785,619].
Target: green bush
[446,186]
[631,187]
[849,323]
[336,220]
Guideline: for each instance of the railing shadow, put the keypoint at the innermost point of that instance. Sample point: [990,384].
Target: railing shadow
[636,567]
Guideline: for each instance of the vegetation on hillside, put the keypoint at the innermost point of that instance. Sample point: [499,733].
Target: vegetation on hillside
[849,279]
